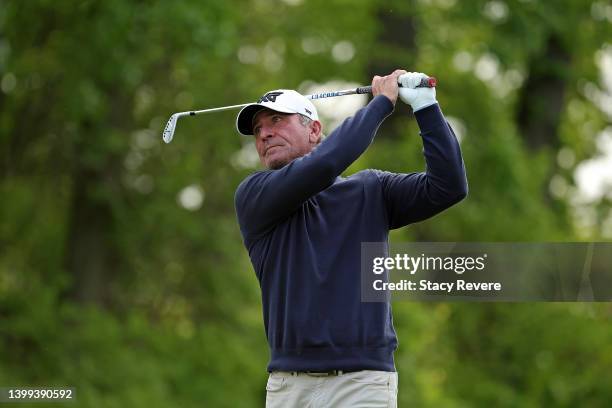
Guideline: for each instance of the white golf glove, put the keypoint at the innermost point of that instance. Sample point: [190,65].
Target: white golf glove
[418,98]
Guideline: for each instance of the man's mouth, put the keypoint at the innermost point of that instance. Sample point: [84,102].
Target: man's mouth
[271,147]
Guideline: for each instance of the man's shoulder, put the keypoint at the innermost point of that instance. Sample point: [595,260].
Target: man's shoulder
[252,178]
[248,184]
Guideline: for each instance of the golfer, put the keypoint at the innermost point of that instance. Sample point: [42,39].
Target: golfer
[303,224]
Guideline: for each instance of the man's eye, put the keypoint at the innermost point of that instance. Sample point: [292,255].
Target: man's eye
[276,118]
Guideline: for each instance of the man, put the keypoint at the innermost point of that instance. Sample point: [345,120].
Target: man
[303,225]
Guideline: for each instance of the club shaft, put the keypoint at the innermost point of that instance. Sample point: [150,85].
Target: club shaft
[168,134]
[222,108]
[429,82]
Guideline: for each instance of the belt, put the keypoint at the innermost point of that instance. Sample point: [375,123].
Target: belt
[331,373]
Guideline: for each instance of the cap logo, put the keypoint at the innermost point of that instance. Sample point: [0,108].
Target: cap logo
[269,97]
[309,112]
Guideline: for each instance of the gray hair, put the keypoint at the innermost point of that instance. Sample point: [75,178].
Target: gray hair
[305,120]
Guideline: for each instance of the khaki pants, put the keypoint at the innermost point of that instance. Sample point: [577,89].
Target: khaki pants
[360,389]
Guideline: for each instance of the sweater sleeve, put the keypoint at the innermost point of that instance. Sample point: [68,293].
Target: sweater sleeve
[267,197]
[414,197]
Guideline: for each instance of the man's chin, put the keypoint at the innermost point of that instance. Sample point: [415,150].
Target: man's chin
[279,160]
[277,164]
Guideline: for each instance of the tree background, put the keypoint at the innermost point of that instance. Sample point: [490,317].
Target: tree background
[122,271]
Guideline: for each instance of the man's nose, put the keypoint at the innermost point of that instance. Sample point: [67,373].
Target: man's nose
[266,132]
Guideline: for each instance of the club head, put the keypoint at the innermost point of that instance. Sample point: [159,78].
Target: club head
[169,129]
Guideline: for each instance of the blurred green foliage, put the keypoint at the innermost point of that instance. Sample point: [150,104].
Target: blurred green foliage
[122,271]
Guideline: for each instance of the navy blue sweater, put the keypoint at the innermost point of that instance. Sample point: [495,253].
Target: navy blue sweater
[303,226]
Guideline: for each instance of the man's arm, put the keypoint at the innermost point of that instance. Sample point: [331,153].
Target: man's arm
[266,198]
[417,196]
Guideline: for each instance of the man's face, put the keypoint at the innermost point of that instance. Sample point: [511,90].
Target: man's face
[280,137]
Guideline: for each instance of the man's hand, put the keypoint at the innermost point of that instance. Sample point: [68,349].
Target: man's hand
[418,98]
[387,85]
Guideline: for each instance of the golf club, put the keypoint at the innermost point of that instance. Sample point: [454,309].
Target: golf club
[168,133]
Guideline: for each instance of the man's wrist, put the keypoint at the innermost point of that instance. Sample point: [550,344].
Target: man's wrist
[423,105]
[429,117]
[384,102]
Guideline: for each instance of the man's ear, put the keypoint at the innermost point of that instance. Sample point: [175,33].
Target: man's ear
[315,132]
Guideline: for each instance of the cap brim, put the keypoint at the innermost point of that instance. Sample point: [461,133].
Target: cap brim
[244,120]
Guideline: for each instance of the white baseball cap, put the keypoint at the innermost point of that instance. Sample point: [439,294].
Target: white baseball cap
[280,100]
